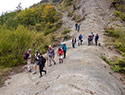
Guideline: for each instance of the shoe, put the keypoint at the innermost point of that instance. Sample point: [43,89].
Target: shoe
[55,63]
[29,71]
[34,72]
[40,76]
[50,65]
[45,72]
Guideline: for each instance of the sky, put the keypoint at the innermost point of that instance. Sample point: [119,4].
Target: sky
[10,5]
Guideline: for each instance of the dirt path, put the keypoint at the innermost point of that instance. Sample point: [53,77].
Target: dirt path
[82,73]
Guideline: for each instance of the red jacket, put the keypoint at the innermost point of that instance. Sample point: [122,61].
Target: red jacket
[60,52]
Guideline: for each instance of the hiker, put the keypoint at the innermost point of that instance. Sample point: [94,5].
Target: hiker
[73,41]
[29,60]
[76,26]
[36,61]
[64,47]
[51,55]
[80,40]
[41,64]
[96,39]
[92,35]
[60,54]
[89,39]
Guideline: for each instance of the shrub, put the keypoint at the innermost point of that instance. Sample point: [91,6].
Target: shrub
[66,31]
[120,14]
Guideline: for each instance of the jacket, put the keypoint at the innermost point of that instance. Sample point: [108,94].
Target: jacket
[60,52]
[64,47]
[73,40]
[96,37]
[51,52]
[42,61]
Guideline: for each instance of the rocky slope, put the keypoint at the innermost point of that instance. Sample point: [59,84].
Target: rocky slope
[83,72]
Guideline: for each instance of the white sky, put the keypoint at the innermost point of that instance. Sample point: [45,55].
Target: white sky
[10,5]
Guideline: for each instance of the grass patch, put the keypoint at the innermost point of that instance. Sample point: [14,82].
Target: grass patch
[117,66]
[120,14]
[119,36]
[66,31]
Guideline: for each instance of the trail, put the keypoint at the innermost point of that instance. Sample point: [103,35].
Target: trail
[83,72]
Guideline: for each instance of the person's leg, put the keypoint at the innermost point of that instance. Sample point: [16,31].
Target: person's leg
[50,59]
[28,65]
[96,42]
[40,70]
[53,60]
[73,45]
[64,54]
[88,42]
[43,70]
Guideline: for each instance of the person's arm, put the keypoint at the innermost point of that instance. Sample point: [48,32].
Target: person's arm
[53,53]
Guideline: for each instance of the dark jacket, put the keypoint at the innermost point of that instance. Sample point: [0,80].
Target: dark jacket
[73,40]
[42,61]
[96,37]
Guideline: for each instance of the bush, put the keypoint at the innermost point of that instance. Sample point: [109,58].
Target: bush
[120,14]
[117,66]
[15,43]
[66,31]
[119,36]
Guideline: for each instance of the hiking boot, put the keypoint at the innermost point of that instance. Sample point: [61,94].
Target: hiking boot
[35,72]
[50,65]
[40,76]
[29,71]
[45,72]
[54,63]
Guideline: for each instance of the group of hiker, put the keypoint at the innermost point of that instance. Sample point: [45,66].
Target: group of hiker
[90,39]
[40,60]
[77,27]
[62,50]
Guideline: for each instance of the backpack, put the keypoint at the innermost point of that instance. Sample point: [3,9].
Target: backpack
[25,56]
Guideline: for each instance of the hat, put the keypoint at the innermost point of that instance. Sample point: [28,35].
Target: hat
[49,46]
[30,50]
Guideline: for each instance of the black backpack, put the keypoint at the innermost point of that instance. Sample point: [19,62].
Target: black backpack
[25,55]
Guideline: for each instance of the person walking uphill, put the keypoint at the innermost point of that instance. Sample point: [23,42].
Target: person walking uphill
[41,63]
[76,26]
[96,39]
[51,55]
[60,54]
[29,60]
[73,41]
[80,40]
[36,61]
[64,47]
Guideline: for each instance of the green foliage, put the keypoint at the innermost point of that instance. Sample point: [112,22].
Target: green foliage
[106,60]
[117,66]
[119,36]
[68,2]
[25,29]
[8,20]
[120,14]
[15,43]
[66,31]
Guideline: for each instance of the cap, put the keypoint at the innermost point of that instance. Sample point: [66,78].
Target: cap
[30,50]
[49,46]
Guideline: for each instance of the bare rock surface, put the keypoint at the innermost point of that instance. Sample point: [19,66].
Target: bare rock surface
[83,72]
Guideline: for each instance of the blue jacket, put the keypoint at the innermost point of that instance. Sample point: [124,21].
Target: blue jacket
[64,47]
[80,37]
[96,37]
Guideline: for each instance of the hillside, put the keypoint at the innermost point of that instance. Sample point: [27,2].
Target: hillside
[83,71]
